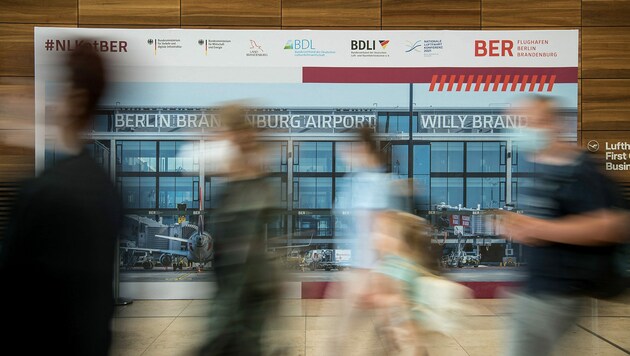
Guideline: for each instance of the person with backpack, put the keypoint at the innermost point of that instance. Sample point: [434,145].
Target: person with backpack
[574,227]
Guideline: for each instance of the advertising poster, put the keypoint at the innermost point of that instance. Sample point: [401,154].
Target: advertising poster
[440,103]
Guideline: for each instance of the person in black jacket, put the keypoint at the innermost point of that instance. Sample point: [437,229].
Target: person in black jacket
[574,223]
[56,263]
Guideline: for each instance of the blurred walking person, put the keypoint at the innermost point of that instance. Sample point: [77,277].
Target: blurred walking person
[247,282]
[57,261]
[405,253]
[574,227]
[369,193]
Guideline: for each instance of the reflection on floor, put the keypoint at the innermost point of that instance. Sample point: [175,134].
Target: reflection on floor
[178,327]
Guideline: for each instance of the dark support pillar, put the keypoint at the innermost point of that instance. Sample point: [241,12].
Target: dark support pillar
[410,155]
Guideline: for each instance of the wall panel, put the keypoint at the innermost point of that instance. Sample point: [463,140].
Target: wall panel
[605,12]
[17,103]
[228,27]
[328,28]
[432,13]
[606,52]
[331,13]
[530,12]
[606,104]
[233,12]
[17,156]
[37,11]
[136,12]
[16,48]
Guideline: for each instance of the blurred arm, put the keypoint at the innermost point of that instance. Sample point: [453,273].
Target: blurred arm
[382,292]
[595,228]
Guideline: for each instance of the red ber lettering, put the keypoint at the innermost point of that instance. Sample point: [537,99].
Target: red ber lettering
[480,48]
[506,48]
[494,48]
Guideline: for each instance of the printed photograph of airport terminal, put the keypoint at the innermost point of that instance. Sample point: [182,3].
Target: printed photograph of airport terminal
[157,141]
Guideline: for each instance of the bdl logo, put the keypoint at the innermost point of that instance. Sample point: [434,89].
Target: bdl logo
[299,44]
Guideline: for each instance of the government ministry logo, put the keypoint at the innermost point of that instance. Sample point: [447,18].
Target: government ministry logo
[213,44]
[169,44]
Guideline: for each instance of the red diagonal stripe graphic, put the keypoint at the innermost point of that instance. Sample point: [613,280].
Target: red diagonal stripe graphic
[433,80]
[497,81]
[460,82]
[506,81]
[543,79]
[532,84]
[514,82]
[450,83]
[523,83]
[478,84]
[488,81]
[442,82]
[425,74]
[470,81]
[551,81]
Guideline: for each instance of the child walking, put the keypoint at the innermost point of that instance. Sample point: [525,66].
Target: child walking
[403,244]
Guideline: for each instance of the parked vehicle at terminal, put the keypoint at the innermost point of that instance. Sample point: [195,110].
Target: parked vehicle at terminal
[461,259]
[327,259]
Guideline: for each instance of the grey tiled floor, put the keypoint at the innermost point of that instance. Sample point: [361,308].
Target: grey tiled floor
[303,327]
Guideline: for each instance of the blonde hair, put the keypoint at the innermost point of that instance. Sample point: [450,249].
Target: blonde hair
[415,232]
[234,117]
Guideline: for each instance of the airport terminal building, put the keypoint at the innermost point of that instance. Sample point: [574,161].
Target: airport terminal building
[459,157]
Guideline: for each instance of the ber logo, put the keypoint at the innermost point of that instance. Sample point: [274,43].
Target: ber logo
[494,48]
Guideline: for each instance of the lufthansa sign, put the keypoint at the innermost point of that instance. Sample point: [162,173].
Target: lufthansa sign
[263,121]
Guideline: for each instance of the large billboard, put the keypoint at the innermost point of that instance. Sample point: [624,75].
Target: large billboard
[449,94]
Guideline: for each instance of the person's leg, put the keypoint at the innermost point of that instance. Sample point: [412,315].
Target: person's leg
[224,318]
[539,322]
[351,316]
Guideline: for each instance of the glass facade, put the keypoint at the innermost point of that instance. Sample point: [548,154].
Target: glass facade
[468,173]
[179,156]
[313,157]
[396,122]
[137,192]
[488,192]
[485,156]
[136,156]
[144,183]
[310,179]
[312,193]
[213,186]
[275,158]
[449,191]
[447,157]
[158,175]
[179,190]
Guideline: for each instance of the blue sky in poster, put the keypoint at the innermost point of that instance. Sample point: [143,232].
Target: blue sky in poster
[309,95]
